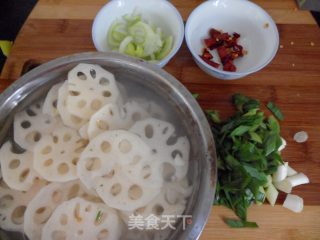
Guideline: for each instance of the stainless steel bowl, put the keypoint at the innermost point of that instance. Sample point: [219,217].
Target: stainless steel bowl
[142,80]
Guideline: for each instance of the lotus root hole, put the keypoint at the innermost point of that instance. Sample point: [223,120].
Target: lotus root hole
[33,136]
[165,130]
[74,93]
[30,112]
[17,215]
[46,150]
[136,116]
[6,201]
[93,73]
[103,125]
[14,163]
[66,137]
[135,192]
[139,211]
[104,82]
[115,189]
[95,104]
[103,234]
[58,235]
[25,124]
[81,76]
[109,174]
[125,146]
[175,153]
[63,219]
[93,164]
[146,171]
[105,147]
[80,232]
[158,209]
[42,215]
[23,175]
[55,139]
[168,172]
[76,213]
[75,119]
[73,191]
[63,168]
[48,162]
[111,112]
[75,161]
[172,140]
[55,103]
[148,131]
[81,104]
[57,196]
[106,94]
[135,160]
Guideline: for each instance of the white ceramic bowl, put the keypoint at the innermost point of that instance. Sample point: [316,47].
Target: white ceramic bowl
[259,34]
[159,12]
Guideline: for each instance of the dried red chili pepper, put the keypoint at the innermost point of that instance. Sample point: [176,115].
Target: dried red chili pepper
[227,47]
[229,66]
[206,54]
[210,62]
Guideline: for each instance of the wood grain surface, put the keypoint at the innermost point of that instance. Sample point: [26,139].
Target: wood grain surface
[61,27]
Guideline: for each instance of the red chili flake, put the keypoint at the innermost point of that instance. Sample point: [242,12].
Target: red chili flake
[206,54]
[210,62]
[236,35]
[229,66]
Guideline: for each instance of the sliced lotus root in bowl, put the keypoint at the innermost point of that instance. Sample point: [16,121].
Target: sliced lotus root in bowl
[17,168]
[56,155]
[78,219]
[51,101]
[30,125]
[169,202]
[120,158]
[45,202]
[13,205]
[89,88]
[109,117]
[68,119]
[173,151]
[134,112]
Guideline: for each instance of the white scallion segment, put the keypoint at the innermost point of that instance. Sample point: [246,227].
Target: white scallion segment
[291,171]
[301,137]
[124,44]
[294,203]
[287,184]
[283,144]
[139,38]
[272,194]
[281,173]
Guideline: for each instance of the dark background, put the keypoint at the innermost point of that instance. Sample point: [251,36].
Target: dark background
[13,13]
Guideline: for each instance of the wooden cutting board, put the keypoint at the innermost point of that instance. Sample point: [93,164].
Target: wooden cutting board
[57,28]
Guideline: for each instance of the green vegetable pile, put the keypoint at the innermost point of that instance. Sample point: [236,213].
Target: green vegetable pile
[247,149]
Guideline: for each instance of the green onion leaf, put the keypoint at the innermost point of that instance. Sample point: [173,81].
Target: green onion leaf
[275,110]
[240,224]
[195,95]
[214,116]
[99,216]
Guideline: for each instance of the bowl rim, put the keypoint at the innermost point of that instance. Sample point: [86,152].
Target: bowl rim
[17,92]
[173,51]
[216,70]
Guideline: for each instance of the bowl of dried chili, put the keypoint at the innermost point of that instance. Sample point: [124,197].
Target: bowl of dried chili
[230,39]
